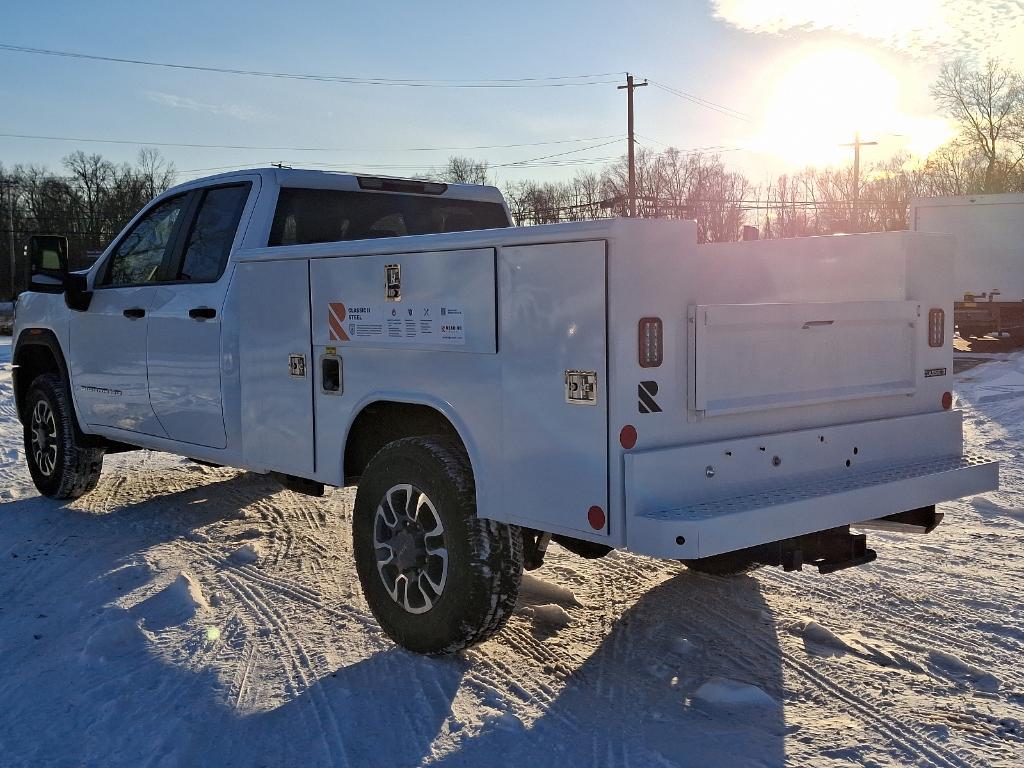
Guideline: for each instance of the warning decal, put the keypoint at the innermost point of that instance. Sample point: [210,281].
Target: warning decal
[399,324]
[336,320]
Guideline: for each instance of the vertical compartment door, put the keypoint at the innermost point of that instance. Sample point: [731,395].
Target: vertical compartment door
[554,444]
[275,366]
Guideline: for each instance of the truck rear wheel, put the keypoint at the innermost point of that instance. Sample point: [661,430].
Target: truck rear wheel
[437,577]
[60,465]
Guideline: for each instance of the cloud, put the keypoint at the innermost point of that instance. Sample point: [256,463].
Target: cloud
[237,111]
[936,30]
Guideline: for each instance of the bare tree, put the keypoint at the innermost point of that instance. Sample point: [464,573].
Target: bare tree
[988,106]
[462,170]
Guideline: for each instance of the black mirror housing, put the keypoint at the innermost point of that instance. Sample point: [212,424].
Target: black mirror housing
[48,259]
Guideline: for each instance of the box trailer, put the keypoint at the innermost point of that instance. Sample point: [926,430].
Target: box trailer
[988,269]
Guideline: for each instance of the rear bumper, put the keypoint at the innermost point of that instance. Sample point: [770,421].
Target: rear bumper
[675,508]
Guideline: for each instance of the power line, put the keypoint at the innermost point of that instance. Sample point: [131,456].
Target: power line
[555,81]
[184,145]
[713,106]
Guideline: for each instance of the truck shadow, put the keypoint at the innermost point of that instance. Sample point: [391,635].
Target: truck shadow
[107,693]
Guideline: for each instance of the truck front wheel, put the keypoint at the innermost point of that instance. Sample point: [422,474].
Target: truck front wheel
[60,465]
[437,577]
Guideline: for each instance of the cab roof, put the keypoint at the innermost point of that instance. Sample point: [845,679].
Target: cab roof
[314,179]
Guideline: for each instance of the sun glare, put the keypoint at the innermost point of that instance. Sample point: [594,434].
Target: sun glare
[820,97]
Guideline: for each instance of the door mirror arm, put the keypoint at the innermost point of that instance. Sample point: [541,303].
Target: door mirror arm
[76,291]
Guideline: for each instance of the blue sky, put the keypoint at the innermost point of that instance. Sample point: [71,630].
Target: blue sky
[718,50]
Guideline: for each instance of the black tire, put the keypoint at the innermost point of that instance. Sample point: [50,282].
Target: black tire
[729,564]
[484,564]
[60,465]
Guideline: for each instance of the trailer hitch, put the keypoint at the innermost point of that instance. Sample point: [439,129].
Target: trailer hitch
[829,551]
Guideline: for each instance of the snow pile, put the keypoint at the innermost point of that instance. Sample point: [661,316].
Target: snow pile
[549,615]
[537,591]
[733,694]
[954,665]
[246,554]
[175,604]
[114,639]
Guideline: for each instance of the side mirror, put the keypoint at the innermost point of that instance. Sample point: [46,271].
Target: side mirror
[48,257]
[48,260]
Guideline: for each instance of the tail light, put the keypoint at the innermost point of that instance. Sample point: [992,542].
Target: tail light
[936,327]
[650,335]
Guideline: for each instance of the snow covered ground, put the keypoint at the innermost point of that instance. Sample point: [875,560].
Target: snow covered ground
[182,615]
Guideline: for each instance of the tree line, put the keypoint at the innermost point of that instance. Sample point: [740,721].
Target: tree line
[985,103]
[94,198]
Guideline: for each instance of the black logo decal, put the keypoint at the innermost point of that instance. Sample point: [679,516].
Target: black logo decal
[646,392]
[932,372]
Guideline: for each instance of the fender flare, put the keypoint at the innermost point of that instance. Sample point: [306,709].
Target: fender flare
[38,337]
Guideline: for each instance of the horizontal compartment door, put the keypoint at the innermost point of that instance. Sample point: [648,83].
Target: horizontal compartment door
[750,357]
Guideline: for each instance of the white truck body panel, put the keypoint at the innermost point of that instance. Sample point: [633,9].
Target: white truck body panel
[800,370]
[989,232]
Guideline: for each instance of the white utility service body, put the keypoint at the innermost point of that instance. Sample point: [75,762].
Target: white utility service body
[796,385]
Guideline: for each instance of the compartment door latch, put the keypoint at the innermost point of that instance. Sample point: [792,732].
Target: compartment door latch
[581,387]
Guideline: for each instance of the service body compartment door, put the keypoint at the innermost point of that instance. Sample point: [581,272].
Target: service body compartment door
[275,366]
[750,357]
[551,301]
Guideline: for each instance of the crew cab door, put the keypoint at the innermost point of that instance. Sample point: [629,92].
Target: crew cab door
[107,352]
[185,319]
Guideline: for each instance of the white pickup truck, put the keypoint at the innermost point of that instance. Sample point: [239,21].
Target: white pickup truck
[605,384]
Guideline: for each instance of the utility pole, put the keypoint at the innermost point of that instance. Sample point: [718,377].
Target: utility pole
[629,87]
[857,144]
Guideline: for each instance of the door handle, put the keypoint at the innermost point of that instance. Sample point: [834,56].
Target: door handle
[134,313]
[202,313]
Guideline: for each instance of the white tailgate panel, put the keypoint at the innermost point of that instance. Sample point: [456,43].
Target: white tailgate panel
[751,357]
[273,324]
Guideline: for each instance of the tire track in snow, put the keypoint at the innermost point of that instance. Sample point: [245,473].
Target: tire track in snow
[906,738]
[287,645]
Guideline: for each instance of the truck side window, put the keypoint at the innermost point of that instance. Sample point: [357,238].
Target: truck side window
[329,215]
[213,232]
[141,252]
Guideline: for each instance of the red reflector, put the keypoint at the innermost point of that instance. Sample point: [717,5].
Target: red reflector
[627,437]
[650,333]
[596,518]
[947,400]
[936,327]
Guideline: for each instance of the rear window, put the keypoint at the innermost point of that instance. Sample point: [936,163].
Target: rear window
[327,215]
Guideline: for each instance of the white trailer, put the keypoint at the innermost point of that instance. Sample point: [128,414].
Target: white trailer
[988,274]
[606,384]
